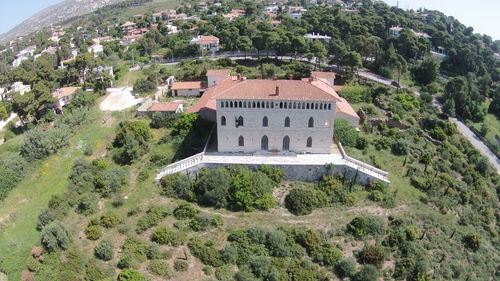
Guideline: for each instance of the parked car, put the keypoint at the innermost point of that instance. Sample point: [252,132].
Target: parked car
[395,84]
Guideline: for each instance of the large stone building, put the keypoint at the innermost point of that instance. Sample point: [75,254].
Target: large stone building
[259,116]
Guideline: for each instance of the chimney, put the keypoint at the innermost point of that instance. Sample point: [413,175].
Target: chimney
[290,77]
[238,77]
[311,79]
[275,77]
[277,91]
[259,76]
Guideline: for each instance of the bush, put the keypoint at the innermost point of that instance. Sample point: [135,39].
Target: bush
[224,273]
[185,211]
[136,248]
[177,185]
[346,268]
[367,273]
[400,147]
[372,254]
[301,201]
[104,251]
[472,241]
[152,217]
[159,120]
[205,252]
[356,93]
[326,254]
[109,220]
[273,173]
[212,187]
[202,222]
[345,133]
[181,266]
[164,236]
[45,217]
[87,204]
[142,86]
[39,144]
[113,179]
[160,268]
[93,232]
[361,143]
[55,236]
[131,275]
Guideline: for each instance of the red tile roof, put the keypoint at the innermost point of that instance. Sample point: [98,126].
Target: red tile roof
[210,39]
[322,74]
[64,92]
[186,85]
[218,72]
[164,106]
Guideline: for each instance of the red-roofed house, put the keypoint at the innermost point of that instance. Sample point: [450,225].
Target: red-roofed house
[209,43]
[63,96]
[274,115]
[186,89]
[215,75]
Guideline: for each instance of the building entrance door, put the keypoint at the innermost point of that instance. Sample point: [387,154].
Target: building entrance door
[286,143]
[264,143]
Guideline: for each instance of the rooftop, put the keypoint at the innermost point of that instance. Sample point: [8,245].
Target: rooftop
[128,24]
[186,85]
[164,106]
[323,74]
[218,72]
[64,92]
[206,39]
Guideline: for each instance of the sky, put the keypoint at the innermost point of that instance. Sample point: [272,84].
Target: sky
[482,15]
[13,12]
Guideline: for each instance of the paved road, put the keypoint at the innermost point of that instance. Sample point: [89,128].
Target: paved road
[119,99]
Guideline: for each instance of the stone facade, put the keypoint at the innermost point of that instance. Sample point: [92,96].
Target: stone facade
[275,125]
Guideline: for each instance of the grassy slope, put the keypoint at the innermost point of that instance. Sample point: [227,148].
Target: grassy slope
[24,203]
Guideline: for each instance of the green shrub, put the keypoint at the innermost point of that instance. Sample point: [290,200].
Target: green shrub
[356,93]
[160,268]
[205,252]
[33,265]
[181,266]
[212,187]
[359,227]
[87,204]
[224,273]
[273,173]
[345,133]
[131,275]
[326,254]
[109,220]
[93,232]
[104,251]
[153,216]
[301,201]
[346,268]
[472,241]
[45,217]
[185,211]
[136,248]
[55,236]
[202,222]
[372,254]
[367,272]
[208,270]
[177,185]
[164,236]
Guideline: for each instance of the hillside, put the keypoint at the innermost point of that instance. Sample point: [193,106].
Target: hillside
[54,14]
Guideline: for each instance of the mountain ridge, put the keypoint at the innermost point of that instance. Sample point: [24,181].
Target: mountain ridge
[54,14]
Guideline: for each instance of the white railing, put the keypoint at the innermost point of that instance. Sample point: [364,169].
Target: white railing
[180,165]
[362,166]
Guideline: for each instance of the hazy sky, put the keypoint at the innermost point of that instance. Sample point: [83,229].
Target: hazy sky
[483,15]
[13,12]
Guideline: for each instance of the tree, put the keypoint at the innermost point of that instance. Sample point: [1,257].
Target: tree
[372,254]
[319,51]
[301,201]
[131,275]
[244,43]
[367,272]
[427,71]
[104,250]
[55,237]
[142,86]
[212,187]
[345,133]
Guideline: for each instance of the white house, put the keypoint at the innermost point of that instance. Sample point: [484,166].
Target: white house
[396,32]
[316,36]
[186,89]
[96,49]
[208,43]
[274,115]
[20,87]
[215,75]
[295,12]
[63,96]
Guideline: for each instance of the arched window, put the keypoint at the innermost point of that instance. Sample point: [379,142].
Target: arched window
[241,141]
[231,104]
[227,104]
[309,142]
[264,143]
[258,104]
[316,106]
[223,121]
[239,122]
[321,106]
[303,105]
[287,121]
[244,104]
[265,122]
[286,143]
[307,106]
[240,104]
[286,105]
[329,106]
[272,104]
[310,123]
[222,104]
